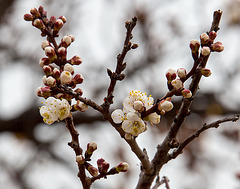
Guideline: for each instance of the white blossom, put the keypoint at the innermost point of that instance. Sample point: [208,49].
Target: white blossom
[66,77]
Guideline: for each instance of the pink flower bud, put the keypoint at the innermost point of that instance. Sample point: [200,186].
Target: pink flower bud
[78,79]
[79,91]
[181,73]
[68,67]
[35,12]
[28,17]
[62,52]
[72,37]
[44,62]
[91,147]
[80,106]
[47,70]
[43,92]
[40,9]
[217,47]
[138,105]
[50,52]
[177,84]
[39,24]
[204,39]
[206,72]
[63,18]
[194,45]
[80,159]
[56,73]
[92,170]
[50,81]
[58,25]
[205,51]
[102,165]
[76,60]
[45,44]
[122,167]
[186,93]
[212,36]
[66,41]
[171,74]
[66,77]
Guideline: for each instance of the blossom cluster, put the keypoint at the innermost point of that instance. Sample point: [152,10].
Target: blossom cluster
[102,165]
[59,71]
[130,117]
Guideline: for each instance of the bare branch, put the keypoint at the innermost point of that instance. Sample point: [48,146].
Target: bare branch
[159,183]
[196,134]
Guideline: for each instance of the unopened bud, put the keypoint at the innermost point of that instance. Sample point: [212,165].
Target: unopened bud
[181,73]
[177,84]
[72,37]
[35,12]
[68,67]
[165,105]
[78,79]
[63,18]
[47,70]
[76,60]
[44,62]
[66,77]
[122,167]
[194,45]
[79,91]
[186,93]
[205,51]
[45,44]
[102,165]
[50,52]
[91,147]
[217,47]
[171,74]
[206,72]
[58,25]
[212,36]
[38,24]
[80,106]
[138,105]
[66,41]
[50,81]
[204,39]
[80,159]
[62,52]
[92,170]
[56,73]
[28,17]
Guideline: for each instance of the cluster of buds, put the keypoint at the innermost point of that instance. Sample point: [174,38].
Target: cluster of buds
[59,71]
[175,80]
[102,169]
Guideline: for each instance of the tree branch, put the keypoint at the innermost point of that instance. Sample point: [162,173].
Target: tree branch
[196,134]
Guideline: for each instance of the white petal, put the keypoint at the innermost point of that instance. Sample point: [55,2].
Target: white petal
[154,118]
[117,116]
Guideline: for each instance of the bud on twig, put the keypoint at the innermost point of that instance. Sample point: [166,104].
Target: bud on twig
[217,47]
[80,159]
[205,51]
[76,60]
[204,39]
[206,72]
[186,93]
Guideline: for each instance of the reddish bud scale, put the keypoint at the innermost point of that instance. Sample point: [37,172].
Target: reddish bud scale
[204,39]
[103,166]
[79,91]
[92,170]
[63,18]
[212,36]
[47,70]
[58,25]
[35,13]
[28,17]
[62,52]
[76,60]
[78,79]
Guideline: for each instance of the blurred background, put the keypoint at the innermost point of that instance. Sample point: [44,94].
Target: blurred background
[34,155]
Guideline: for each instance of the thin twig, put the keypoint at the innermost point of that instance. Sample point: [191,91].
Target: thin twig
[196,134]
[161,182]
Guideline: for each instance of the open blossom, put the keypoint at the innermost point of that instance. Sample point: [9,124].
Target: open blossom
[55,110]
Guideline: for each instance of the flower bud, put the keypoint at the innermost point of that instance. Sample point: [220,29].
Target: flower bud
[43,92]
[62,52]
[154,118]
[66,77]
[177,84]
[186,93]
[40,9]
[76,60]
[204,39]
[138,105]
[58,25]
[181,73]
[50,52]
[56,73]
[122,167]
[72,37]
[45,44]
[50,81]
[28,17]
[47,70]
[80,159]
[217,47]
[68,67]
[63,18]
[206,72]
[79,91]
[91,147]
[102,165]
[194,45]
[39,24]
[34,12]
[212,36]
[66,41]
[80,106]
[171,74]
[92,170]
[205,51]
[78,79]
[44,62]
[166,105]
